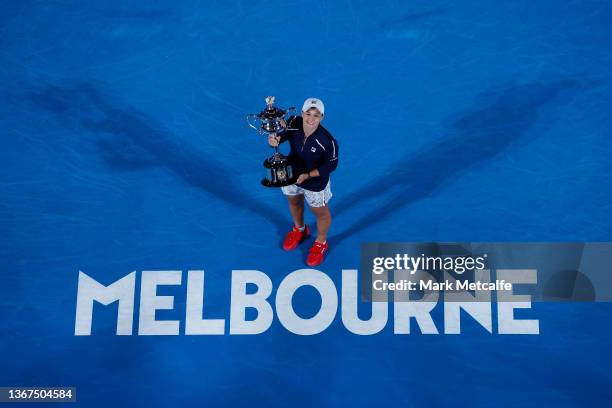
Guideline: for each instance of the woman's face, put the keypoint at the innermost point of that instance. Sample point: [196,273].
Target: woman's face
[312,117]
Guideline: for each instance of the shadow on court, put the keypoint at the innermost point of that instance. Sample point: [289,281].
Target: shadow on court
[497,119]
[138,141]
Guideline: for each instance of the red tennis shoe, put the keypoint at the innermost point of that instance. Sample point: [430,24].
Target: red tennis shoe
[316,255]
[295,237]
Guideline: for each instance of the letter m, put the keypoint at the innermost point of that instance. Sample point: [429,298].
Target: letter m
[89,290]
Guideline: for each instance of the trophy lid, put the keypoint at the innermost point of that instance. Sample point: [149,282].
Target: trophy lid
[271,111]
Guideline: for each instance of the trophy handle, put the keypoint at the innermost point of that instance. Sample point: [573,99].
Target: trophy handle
[289,118]
[248,119]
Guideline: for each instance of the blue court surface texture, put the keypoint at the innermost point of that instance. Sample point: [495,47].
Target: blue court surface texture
[125,148]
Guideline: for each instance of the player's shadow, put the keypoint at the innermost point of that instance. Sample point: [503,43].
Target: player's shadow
[137,141]
[483,131]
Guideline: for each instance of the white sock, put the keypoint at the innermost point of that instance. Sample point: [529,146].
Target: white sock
[302,228]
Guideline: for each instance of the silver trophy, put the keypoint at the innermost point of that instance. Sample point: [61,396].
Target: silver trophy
[273,120]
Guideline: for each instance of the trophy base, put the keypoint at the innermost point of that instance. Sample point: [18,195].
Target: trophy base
[267,183]
[280,172]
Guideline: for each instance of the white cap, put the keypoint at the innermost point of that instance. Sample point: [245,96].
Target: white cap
[314,103]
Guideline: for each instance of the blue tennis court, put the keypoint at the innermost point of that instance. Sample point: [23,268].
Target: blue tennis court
[125,148]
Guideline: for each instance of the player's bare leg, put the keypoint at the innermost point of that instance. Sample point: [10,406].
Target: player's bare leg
[296,206]
[323,222]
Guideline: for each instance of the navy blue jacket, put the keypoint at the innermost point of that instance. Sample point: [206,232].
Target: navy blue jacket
[318,151]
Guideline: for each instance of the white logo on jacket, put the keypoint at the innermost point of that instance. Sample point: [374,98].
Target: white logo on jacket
[312,149]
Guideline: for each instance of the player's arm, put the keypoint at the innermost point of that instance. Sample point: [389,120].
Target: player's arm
[330,163]
[330,160]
